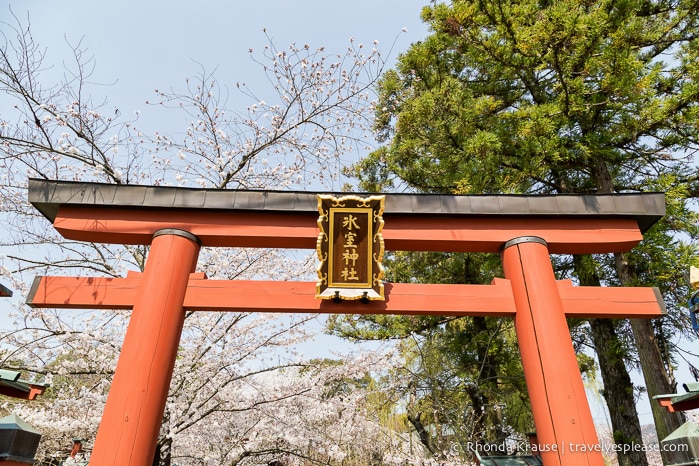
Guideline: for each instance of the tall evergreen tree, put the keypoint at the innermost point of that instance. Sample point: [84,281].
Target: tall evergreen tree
[561,96]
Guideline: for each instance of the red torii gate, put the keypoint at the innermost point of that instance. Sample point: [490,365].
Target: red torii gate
[176,222]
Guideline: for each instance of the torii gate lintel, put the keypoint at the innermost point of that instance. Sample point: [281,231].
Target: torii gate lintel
[524,229]
[204,295]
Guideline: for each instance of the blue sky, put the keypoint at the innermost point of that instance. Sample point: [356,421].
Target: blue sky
[139,46]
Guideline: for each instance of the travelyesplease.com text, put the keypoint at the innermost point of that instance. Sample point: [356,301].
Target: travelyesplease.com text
[512,448]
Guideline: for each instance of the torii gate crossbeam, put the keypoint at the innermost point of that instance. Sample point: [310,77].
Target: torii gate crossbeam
[176,222]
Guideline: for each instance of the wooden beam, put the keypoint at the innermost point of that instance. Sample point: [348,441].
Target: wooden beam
[261,296]
[610,302]
[300,231]
[402,298]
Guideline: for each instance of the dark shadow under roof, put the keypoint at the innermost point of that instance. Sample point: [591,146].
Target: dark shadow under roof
[49,196]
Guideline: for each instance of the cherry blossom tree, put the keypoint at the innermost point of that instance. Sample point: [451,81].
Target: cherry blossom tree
[240,393]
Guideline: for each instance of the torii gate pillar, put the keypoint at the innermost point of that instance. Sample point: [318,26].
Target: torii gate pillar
[136,401]
[548,357]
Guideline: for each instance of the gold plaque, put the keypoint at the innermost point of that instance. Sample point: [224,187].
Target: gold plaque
[350,247]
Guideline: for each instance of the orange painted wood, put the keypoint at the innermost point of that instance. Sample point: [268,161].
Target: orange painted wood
[224,228]
[403,298]
[559,404]
[610,302]
[128,432]
[34,391]
[666,402]
[262,296]
[489,234]
[83,292]
[296,230]
[677,403]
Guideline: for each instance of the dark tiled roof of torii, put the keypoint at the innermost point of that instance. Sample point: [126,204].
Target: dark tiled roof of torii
[48,196]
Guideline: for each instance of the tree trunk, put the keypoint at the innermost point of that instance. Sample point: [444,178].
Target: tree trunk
[655,374]
[163,452]
[618,388]
[618,391]
[425,438]
[658,380]
[491,428]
